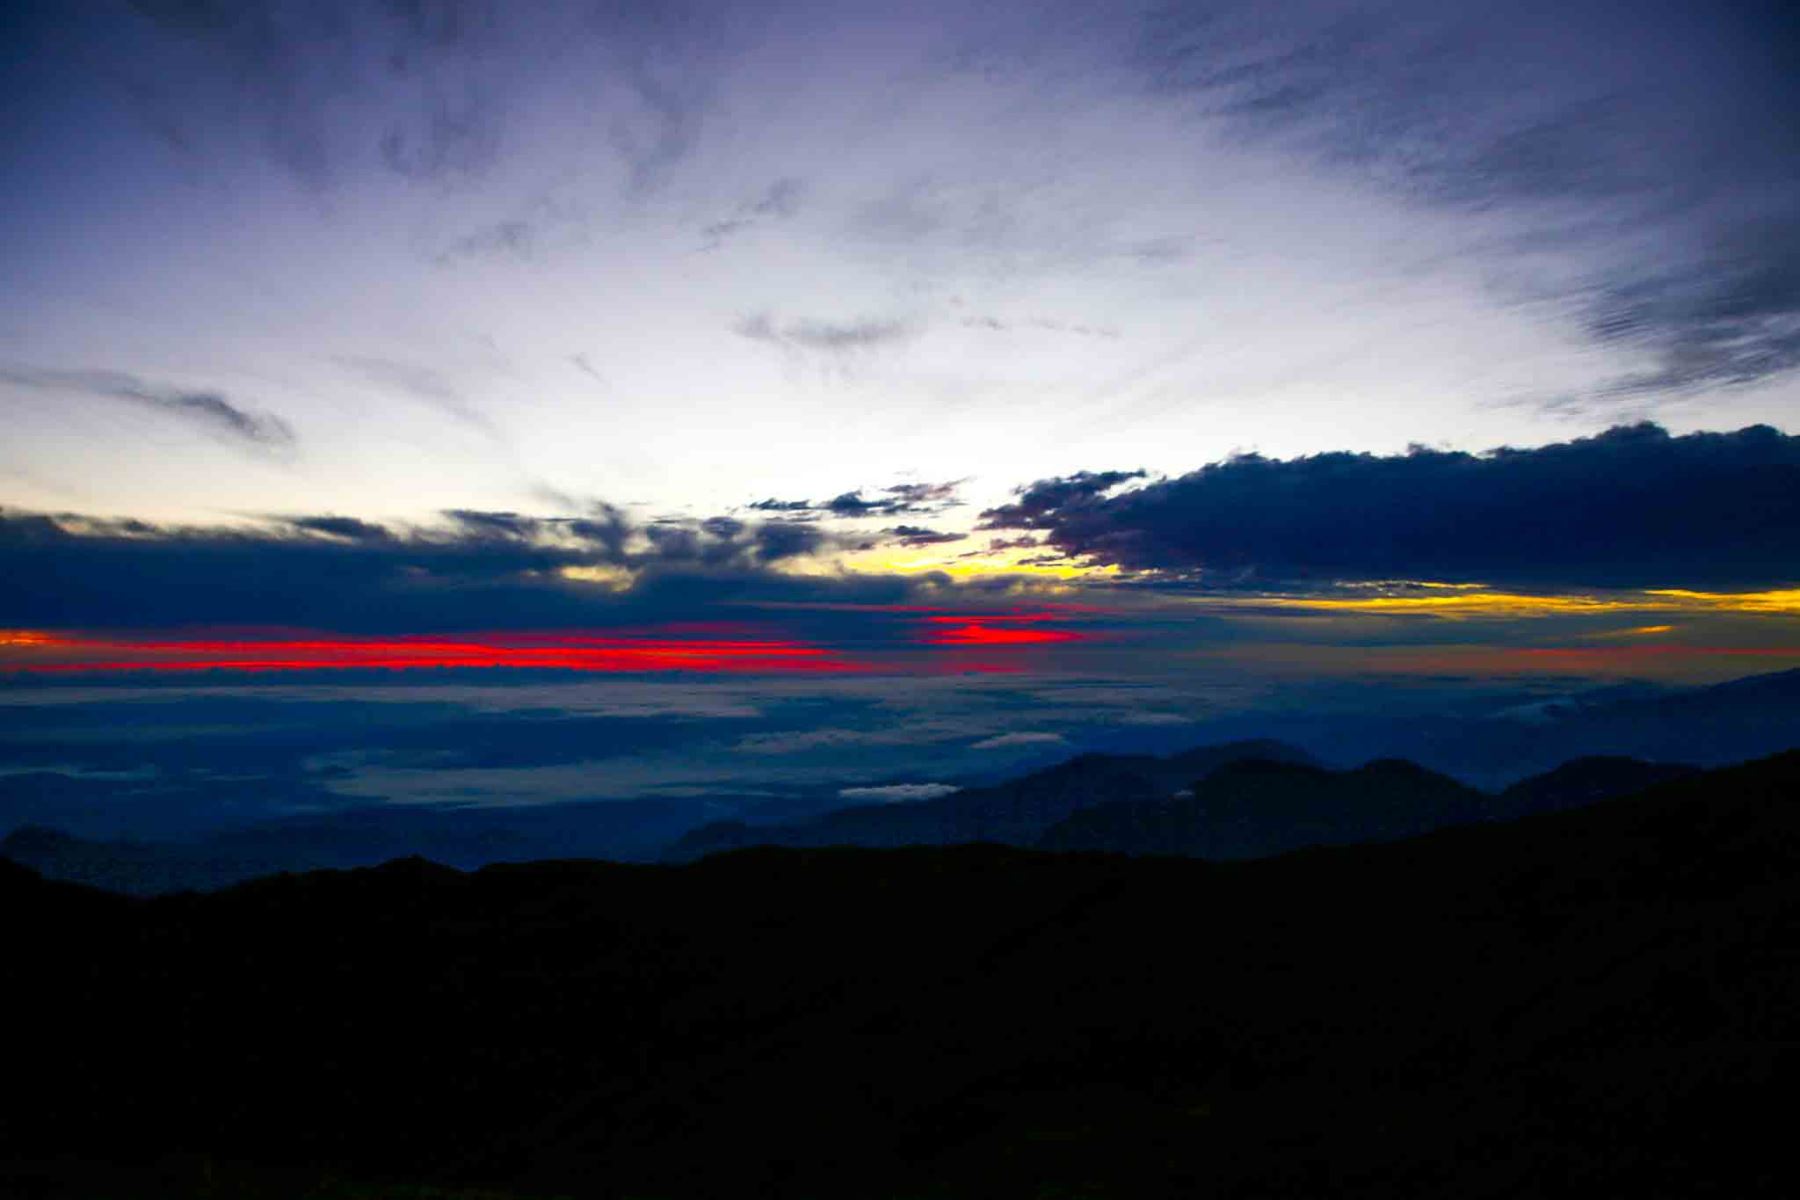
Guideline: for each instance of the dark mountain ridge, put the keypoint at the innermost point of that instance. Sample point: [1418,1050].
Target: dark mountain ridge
[1253,809]
[1016,812]
[1235,800]
[1583,781]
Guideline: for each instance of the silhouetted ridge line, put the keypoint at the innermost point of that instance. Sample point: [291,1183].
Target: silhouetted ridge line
[1016,813]
[1253,809]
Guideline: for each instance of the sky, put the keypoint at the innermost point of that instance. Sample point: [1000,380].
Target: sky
[899,365]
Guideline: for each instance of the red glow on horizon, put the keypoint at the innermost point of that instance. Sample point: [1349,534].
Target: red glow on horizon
[972,634]
[926,641]
[651,652]
[995,629]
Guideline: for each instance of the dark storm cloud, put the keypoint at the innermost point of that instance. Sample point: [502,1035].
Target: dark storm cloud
[1632,507]
[478,570]
[1658,139]
[210,411]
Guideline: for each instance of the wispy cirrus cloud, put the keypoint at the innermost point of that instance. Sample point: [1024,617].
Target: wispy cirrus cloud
[780,202]
[827,337]
[1640,166]
[210,411]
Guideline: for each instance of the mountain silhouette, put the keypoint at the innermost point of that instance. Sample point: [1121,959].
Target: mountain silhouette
[1016,812]
[1256,808]
[1596,1002]
[1583,781]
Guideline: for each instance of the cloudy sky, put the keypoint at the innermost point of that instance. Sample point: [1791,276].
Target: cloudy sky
[841,341]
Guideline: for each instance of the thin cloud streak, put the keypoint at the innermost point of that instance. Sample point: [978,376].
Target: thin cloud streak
[209,411]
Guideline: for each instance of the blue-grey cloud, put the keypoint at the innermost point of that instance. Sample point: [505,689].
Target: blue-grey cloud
[210,411]
[900,499]
[344,527]
[1632,507]
[917,535]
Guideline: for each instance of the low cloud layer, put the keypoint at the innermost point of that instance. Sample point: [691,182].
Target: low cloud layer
[897,793]
[1632,507]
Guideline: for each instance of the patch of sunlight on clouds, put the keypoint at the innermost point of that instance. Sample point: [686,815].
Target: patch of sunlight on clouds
[607,575]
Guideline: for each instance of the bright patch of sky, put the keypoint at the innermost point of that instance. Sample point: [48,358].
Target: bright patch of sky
[387,260]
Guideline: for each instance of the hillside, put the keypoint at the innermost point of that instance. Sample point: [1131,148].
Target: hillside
[1599,1002]
[1016,812]
[1251,809]
[1583,781]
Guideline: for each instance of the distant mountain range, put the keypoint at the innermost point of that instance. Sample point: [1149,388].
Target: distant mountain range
[1708,726]
[1238,800]
[1600,1002]
[1581,749]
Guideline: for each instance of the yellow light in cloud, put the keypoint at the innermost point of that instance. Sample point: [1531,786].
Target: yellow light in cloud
[1458,602]
[1784,601]
[897,560]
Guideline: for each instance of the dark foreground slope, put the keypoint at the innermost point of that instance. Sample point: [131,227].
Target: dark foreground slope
[1600,1002]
